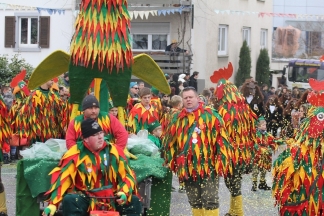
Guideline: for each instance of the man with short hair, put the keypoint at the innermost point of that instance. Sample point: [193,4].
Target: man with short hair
[193,80]
[141,85]
[113,129]
[90,174]
[143,113]
[197,149]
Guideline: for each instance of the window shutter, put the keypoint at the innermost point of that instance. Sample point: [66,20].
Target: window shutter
[44,31]
[10,31]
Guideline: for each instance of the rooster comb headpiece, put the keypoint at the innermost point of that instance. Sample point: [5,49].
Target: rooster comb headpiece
[223,73]
[316,97]
[18,78]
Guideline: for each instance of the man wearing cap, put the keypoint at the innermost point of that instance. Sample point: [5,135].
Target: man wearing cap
[133,90]
[114,131]
[133,97]
[90,174]
[173,49]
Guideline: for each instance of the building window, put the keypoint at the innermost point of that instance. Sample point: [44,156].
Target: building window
[154,42]
[27,32]
[263,39]
[247,35]
[313,43]
[222,39]
[150,36]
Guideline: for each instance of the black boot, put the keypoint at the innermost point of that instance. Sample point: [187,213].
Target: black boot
[6,158]
[263,186]
[254,186]
[13,158]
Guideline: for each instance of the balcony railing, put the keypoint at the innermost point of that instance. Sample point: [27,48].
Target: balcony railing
[171,64]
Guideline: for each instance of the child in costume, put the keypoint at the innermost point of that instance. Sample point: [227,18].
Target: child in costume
[155,133]
[143,113]
[176,106]
[263,158]
[113,111]
[161,188]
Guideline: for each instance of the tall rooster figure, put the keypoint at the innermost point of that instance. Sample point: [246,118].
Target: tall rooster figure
[240,123]
[298,171]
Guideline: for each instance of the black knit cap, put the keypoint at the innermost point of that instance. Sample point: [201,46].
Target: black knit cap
[89,101]
[89,127]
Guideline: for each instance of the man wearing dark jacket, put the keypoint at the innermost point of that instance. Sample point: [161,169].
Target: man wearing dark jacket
[193,80]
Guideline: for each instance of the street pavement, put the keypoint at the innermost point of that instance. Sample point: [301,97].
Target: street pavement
[255,203]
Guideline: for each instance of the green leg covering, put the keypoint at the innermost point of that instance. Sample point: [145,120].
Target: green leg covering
[263,173]
[160,196]
[255,173]
[234,183]
[75,205]
[134,208]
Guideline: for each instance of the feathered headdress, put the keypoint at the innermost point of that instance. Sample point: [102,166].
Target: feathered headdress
[225,90]
[18,83]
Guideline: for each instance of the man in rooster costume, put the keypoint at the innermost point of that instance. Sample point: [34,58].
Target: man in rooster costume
[197,149]
[298,171]
[42,115]
[239,122]
[5,132]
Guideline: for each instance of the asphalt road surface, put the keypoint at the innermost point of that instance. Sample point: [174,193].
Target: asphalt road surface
[255,203]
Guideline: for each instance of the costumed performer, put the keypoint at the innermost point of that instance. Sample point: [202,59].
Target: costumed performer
[90,174]
[197,149]
[298,171]
[176,106]
[143,113]
[253,97]
[239,121]
[43,115]
[5,133]
[263,158]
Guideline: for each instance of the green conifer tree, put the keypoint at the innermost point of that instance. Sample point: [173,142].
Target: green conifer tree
[263,68]
[244,69]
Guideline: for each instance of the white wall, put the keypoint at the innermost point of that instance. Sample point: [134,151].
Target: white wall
[206,59]
[61,28]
